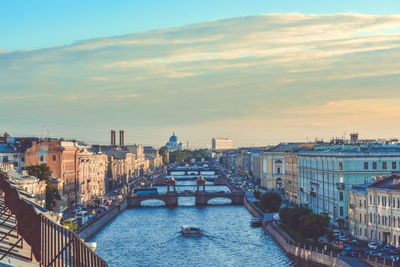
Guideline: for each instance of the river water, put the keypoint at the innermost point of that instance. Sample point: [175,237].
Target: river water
[150,237]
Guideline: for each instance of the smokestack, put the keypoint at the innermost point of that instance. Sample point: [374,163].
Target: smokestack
[113,138]
[121,138]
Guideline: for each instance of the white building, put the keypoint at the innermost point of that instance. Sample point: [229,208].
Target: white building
[218,143]
[327,172]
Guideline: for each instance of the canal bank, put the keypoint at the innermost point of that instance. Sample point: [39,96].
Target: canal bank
[90,230]
[305,253]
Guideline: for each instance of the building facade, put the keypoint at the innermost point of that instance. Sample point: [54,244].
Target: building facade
[269,167]
[92,175]
[291,178]
[62,157]
[218,143]
[328,172]
[358,212]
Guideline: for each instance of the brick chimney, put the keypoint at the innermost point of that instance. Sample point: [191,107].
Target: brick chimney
[113,138]
[121,138]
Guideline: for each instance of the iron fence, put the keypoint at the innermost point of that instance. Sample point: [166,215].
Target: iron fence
[51,243]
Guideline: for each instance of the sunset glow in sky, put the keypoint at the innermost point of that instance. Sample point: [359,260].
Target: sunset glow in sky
[258,74]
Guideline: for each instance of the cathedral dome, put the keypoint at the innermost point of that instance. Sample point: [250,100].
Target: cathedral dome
[173,138]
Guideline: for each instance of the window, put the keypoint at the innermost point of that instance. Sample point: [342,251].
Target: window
[15,164]
[360,218]
[394,202]
[384,165]
[341,196]
[365,165]
[340,166]
[365,203]
[23,159]
[360,231]
[5,158]
[279,170]
[370,199]
[374,165]
[15,156]
[54,157]
[370,217]
[41,157]
[360,204]
[394,165]
[341,211]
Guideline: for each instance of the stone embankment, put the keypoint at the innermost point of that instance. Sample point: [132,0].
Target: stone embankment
[88,231]
[310,253]
[305,253]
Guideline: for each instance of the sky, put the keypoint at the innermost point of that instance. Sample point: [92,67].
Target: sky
[259,72]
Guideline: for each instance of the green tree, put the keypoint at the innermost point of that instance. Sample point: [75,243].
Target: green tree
[42,171]
[314,225]
[270,202]
[163,152]
[291,217]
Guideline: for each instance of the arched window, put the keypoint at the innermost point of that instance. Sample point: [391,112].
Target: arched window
[341,166]
[278,161]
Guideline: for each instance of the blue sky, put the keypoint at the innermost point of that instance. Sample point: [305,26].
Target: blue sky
[300,70]
[47,23]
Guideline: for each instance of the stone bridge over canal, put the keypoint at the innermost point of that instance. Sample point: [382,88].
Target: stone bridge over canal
[201,198]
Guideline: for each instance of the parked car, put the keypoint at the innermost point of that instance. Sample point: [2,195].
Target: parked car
[373,245]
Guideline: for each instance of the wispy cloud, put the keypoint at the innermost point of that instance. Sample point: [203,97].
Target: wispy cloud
[274,70]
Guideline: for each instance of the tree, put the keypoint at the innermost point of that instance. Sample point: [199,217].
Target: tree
[291,217]
[257,194]
[42,171]
[270,202]
[163,152]
[314,225]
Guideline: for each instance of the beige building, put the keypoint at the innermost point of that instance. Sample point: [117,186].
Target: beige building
[92,175]
[358,212]
[291,177]
[374,211]
[28,184]
[269,167]
[218,143]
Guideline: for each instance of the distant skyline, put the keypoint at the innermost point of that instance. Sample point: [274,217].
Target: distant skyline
[257,79]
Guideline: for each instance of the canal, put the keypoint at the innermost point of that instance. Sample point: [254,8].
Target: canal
[150,237]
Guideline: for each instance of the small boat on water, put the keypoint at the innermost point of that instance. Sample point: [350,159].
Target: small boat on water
[255,222]
[191,230]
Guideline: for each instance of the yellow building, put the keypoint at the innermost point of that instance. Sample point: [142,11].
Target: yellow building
[358,212]
[270,168]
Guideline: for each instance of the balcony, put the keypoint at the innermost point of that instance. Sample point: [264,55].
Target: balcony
[340,186]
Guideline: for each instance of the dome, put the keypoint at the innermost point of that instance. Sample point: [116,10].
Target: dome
[173,138]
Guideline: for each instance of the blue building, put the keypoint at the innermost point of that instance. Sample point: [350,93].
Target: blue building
[326,173]
[173,144]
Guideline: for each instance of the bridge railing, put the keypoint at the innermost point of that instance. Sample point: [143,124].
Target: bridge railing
[51,243]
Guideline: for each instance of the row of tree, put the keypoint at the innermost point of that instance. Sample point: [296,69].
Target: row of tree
[268,202]
[304,223]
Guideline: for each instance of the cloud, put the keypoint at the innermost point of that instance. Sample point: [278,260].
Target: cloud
[254,76]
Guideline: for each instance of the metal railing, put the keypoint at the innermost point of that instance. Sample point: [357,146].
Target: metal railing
[51,243]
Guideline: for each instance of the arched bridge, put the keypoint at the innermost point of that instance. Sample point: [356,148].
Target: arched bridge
[201,198]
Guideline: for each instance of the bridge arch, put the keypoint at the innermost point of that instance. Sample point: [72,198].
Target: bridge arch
[152,202]
[219,200]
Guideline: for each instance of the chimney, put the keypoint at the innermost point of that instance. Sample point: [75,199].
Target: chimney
[121,138]
[112,137]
